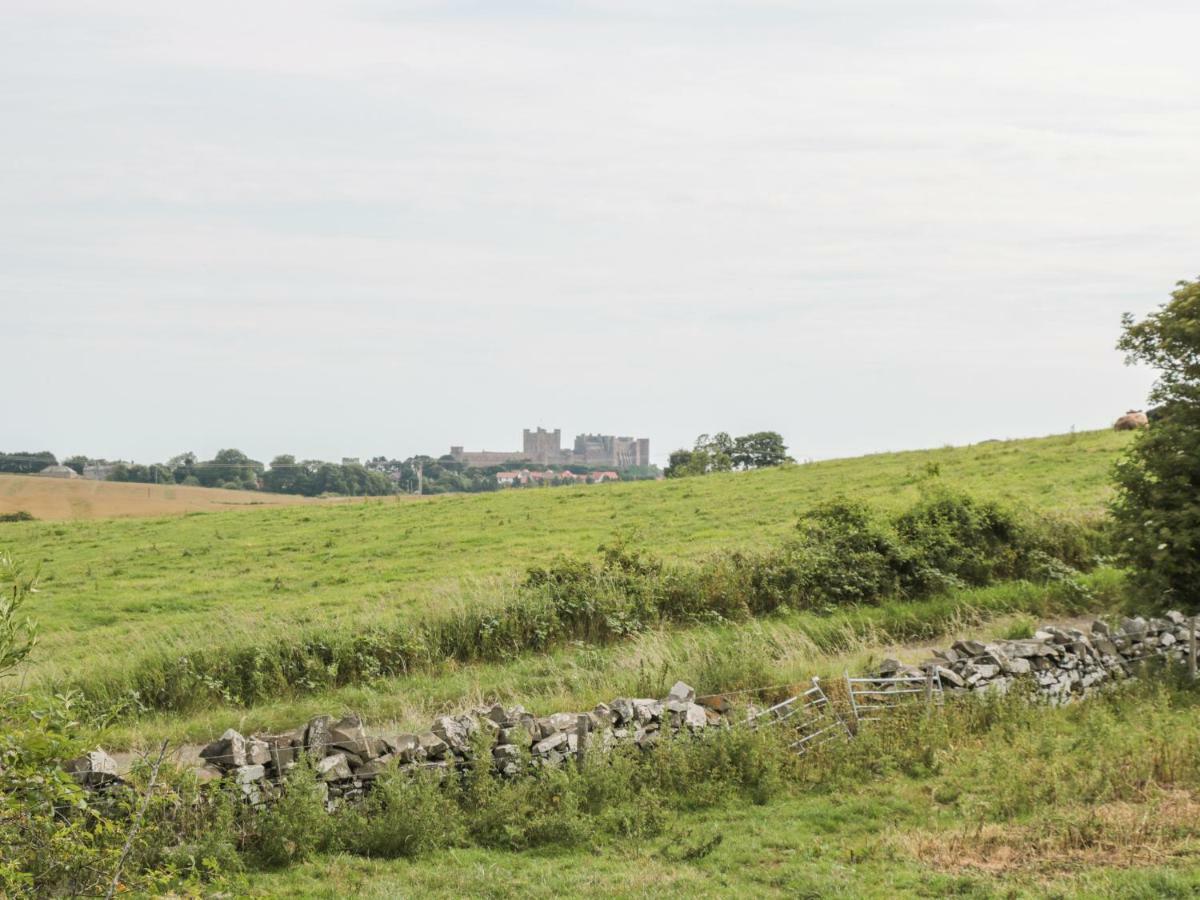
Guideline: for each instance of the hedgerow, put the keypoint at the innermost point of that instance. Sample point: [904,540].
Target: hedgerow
[840,556]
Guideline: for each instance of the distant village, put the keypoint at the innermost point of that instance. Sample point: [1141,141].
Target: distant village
[542,461]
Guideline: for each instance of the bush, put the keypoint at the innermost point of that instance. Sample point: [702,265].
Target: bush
[975,541]
[697,773]
[54,842]
[296,825]
[844,556]
[406,814]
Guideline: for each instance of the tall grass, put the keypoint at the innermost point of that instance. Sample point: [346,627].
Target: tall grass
[877,576]
[787,648]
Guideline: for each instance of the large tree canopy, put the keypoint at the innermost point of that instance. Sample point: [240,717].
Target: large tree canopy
[1157,506]
[721,453]
[26,462]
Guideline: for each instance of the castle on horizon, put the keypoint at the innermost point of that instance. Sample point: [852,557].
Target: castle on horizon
[544,448]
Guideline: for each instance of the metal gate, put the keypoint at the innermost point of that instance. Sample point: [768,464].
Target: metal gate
[810,713]
[872,698]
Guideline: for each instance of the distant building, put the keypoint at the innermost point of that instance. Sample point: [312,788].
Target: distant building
[58,472]
[98,471]
[544,448]
[533,476]
[610,450]
[479,459]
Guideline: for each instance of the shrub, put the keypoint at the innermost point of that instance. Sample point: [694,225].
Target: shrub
[975,541]
[61,840]
[405,814]
[18,633]
[294,826]
[54,842]
[842,555]
[693,774]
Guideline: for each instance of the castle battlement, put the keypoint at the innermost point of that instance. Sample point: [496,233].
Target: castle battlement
[545,448]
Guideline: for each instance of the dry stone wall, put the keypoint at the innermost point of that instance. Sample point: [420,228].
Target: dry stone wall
[1063,663]
[1060,663]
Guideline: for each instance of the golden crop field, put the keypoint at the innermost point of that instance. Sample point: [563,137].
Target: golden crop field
[79,498]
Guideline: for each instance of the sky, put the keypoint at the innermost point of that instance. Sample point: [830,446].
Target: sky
[366,227]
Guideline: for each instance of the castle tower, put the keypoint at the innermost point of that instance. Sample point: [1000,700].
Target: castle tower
[542,446]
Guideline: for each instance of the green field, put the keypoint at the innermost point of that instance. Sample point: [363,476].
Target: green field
[116,588]
[1094,800]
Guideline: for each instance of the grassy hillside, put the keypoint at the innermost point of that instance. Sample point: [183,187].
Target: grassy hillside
[79,498]
[114,587]
[993,797]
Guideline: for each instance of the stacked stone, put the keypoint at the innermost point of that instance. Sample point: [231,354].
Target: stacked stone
[1062,662]
[347,759]
[95,770]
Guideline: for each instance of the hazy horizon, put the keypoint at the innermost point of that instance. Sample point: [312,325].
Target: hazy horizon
[266,456]
[359,228]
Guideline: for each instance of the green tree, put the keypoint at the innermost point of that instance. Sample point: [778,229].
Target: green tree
[26,462]
[721,453]
[77,463]
[1157,505]
[182,466]
[229,466]
[685,463]
[759,450]
[720,449]
[284,476]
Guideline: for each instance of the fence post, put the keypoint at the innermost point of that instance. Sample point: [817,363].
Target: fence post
[850,695]
[930,670]
[583,725]
[1192,647]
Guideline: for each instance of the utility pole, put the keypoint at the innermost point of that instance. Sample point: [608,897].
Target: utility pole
[420,478]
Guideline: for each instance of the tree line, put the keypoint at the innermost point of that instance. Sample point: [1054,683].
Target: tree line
[234,470]
[446,475]
[722,453]
[230,469]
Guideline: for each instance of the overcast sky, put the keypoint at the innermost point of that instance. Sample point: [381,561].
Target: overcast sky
[384,227]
